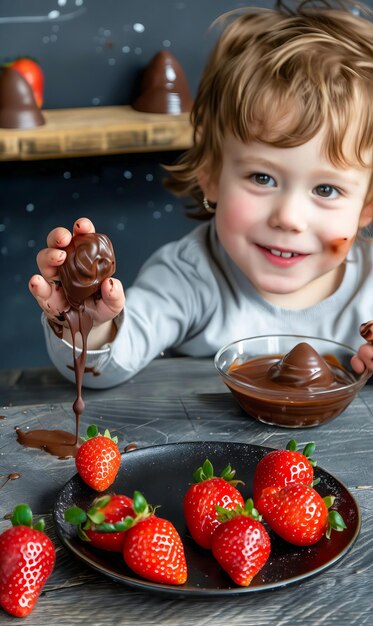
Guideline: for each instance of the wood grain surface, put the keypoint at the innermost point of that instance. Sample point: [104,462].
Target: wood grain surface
[181,400]
[96,130]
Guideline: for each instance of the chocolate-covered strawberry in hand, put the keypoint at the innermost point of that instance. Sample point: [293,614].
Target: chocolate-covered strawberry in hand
[79,295]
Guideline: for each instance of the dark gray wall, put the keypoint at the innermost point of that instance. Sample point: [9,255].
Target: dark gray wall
[92,52]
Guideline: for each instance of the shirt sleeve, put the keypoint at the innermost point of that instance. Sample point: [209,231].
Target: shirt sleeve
[170,300]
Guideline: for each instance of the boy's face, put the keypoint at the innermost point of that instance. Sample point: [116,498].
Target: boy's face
[287,217]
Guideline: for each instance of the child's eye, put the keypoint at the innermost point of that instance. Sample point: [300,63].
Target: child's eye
[326,191]
[264,180]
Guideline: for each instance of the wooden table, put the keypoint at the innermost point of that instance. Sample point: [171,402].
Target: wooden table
[176,400]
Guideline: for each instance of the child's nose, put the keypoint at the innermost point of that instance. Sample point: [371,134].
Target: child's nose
[289,213]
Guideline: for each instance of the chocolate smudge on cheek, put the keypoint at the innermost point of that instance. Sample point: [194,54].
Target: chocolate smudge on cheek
[339,246]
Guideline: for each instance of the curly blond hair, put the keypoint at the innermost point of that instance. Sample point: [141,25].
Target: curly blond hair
[279,77]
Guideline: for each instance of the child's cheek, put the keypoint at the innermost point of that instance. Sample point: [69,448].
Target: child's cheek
[338,248]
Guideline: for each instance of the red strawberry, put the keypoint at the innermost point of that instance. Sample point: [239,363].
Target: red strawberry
[298,514]
[98,459]
[241,544]
[282,467]
[201,499]
[153,547]
[103,524]
[27,558]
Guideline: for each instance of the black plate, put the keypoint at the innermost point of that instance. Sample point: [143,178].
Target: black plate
[163,474]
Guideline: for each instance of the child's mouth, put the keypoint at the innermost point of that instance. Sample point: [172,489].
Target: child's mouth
[282,258]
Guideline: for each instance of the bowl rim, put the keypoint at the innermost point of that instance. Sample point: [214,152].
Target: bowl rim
[360,382]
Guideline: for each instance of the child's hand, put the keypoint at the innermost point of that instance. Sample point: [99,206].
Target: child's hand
[47,290]
[364,359]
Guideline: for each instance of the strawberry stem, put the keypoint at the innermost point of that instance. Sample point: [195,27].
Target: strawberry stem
[22,516]
[335,519]
[248,510]
[206,472]
[307,451]
[92,431]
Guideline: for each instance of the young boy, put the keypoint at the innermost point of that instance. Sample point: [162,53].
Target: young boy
[282,166]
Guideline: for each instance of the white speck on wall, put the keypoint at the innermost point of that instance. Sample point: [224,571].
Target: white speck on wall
[53,15]
[127,174]
[168,208]
[157,215]
[138,50]
[61,3]
[126,49]
[79,3]
[30,207]
[166,43]
[4,251]
[112,61]
[138,28]
[96,101]
[121,226]
[67,175]
[53,38]
[45,39]
[149,178]
[2,228]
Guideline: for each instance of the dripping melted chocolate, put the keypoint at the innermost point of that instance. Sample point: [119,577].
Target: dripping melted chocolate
[89,260]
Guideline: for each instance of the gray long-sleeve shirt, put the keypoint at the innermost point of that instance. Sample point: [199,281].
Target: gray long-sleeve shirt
[190,296]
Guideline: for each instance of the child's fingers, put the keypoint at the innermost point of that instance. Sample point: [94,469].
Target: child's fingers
[364,359]
[59,238]
[82,226]
[50,297]
[48,261]
[357,365]
[113,294]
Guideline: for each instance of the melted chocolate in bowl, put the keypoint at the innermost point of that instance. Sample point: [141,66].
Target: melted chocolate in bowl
[89,260]
[298,389]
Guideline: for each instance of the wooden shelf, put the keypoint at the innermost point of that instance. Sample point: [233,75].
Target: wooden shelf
[96,131]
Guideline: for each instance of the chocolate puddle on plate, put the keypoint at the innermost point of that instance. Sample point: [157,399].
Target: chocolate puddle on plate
[89,260]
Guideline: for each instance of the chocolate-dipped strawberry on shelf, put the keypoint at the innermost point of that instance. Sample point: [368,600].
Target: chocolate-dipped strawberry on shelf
[164,87]
[18,108]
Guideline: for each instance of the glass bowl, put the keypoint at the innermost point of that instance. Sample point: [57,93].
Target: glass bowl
[295,407]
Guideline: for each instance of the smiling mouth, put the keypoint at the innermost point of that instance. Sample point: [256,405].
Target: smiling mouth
[284,254]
